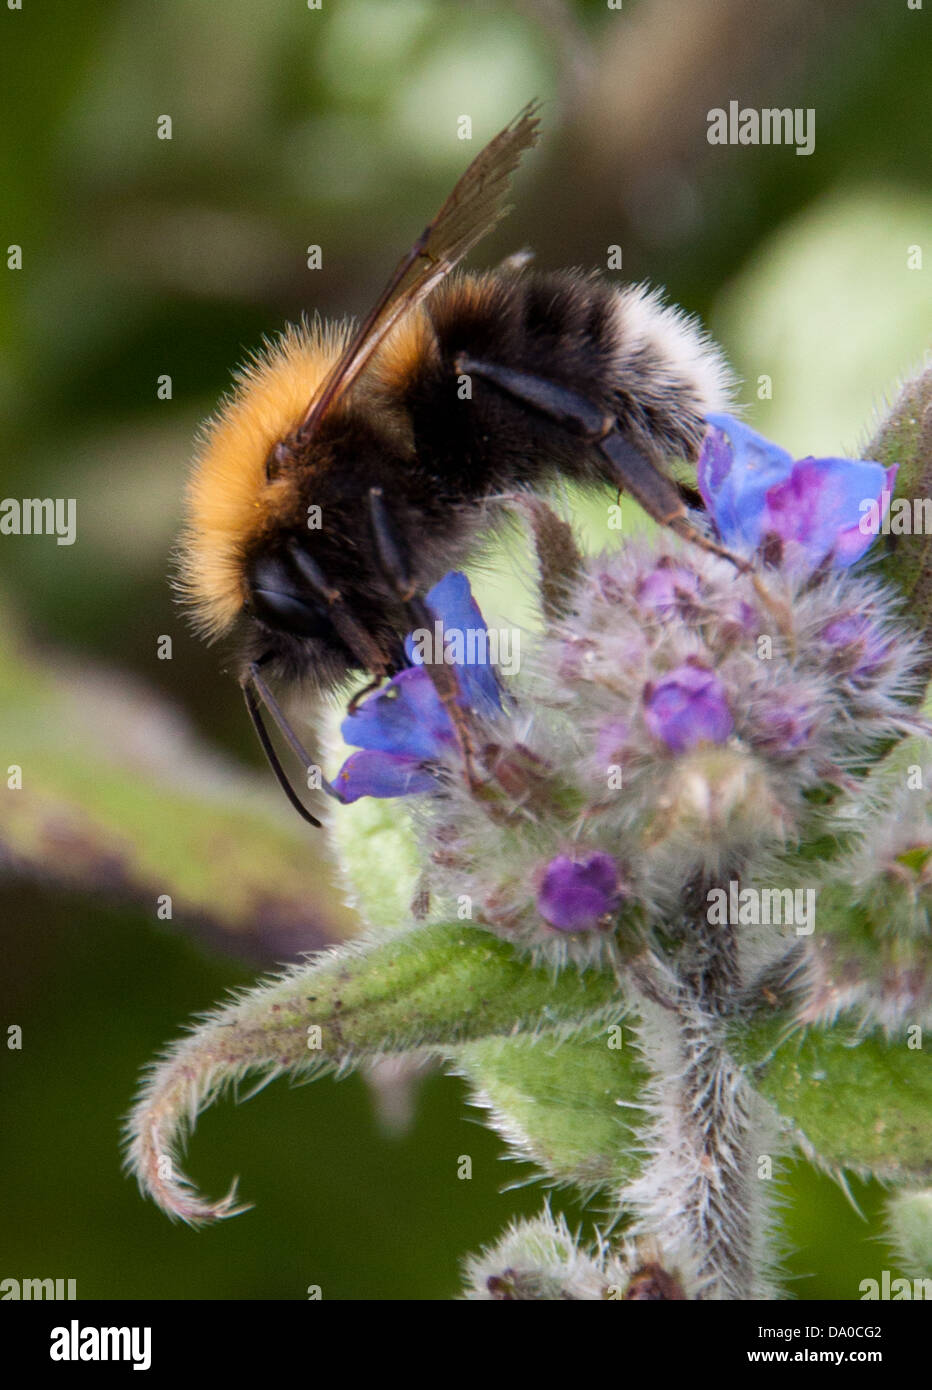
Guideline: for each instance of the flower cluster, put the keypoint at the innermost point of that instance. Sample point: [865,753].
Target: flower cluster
[695,741]
[670,730]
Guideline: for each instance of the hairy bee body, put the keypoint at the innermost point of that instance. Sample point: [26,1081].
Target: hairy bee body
[439,443]
[641,364]
[351,468]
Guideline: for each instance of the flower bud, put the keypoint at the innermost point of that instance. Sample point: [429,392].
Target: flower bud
[579,895]
[687,707]
[537,1260]
[716,808]
[873,953]
[909,1225]
[905,438]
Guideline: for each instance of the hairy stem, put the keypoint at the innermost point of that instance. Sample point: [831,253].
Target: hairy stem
[700,1195]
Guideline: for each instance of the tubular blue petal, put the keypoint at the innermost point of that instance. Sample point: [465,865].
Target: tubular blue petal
[818,509]
[736,468]
[406,717]
[463,627]
[848,547]
[382,774]
[404,725]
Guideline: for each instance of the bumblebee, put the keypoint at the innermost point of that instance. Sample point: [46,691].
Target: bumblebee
[350,468]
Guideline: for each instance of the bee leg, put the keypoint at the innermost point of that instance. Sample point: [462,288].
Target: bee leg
[255,690]
[629,469]
[357,699]
[389,548]
[391,558]
[660,499]
[633,473]
[367,652]
[561,404]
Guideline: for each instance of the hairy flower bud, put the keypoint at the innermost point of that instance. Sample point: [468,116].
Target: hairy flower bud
[716,811]
[873,954]
[909,1226]
[687,707]
[579,895]
[541,1260]
[535,1260]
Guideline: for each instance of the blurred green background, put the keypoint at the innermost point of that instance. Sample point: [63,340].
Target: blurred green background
[143,257]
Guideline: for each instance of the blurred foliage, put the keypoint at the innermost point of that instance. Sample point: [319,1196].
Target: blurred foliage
[117,798]
[143,257]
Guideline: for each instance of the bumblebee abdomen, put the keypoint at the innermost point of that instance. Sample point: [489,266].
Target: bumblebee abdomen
[637,360]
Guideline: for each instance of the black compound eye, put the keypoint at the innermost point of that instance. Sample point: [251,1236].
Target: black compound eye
[281,600]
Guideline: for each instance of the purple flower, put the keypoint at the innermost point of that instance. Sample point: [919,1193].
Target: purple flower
[785,726]
[859,647]
[668,589]
[382,774]
[817,509]
[405,718]
[611,739]
[579,895]
[404,727]
[687,707]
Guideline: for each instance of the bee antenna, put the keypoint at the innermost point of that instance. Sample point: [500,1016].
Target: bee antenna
[252,685]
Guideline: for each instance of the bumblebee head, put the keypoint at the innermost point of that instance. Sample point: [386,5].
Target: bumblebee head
[246,479]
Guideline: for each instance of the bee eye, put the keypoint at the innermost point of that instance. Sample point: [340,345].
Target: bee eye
[279,599]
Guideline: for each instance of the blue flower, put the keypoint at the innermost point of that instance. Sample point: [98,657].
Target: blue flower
[817,509]
[404,728]
[457,619]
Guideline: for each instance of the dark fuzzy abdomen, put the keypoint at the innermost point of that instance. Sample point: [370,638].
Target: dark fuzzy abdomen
[469,435]
[609,346]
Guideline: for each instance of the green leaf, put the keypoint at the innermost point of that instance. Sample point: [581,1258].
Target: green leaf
[859,1103]
[434,987]
[570,1105]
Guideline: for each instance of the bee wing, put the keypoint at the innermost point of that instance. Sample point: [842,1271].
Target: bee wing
[472,209]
